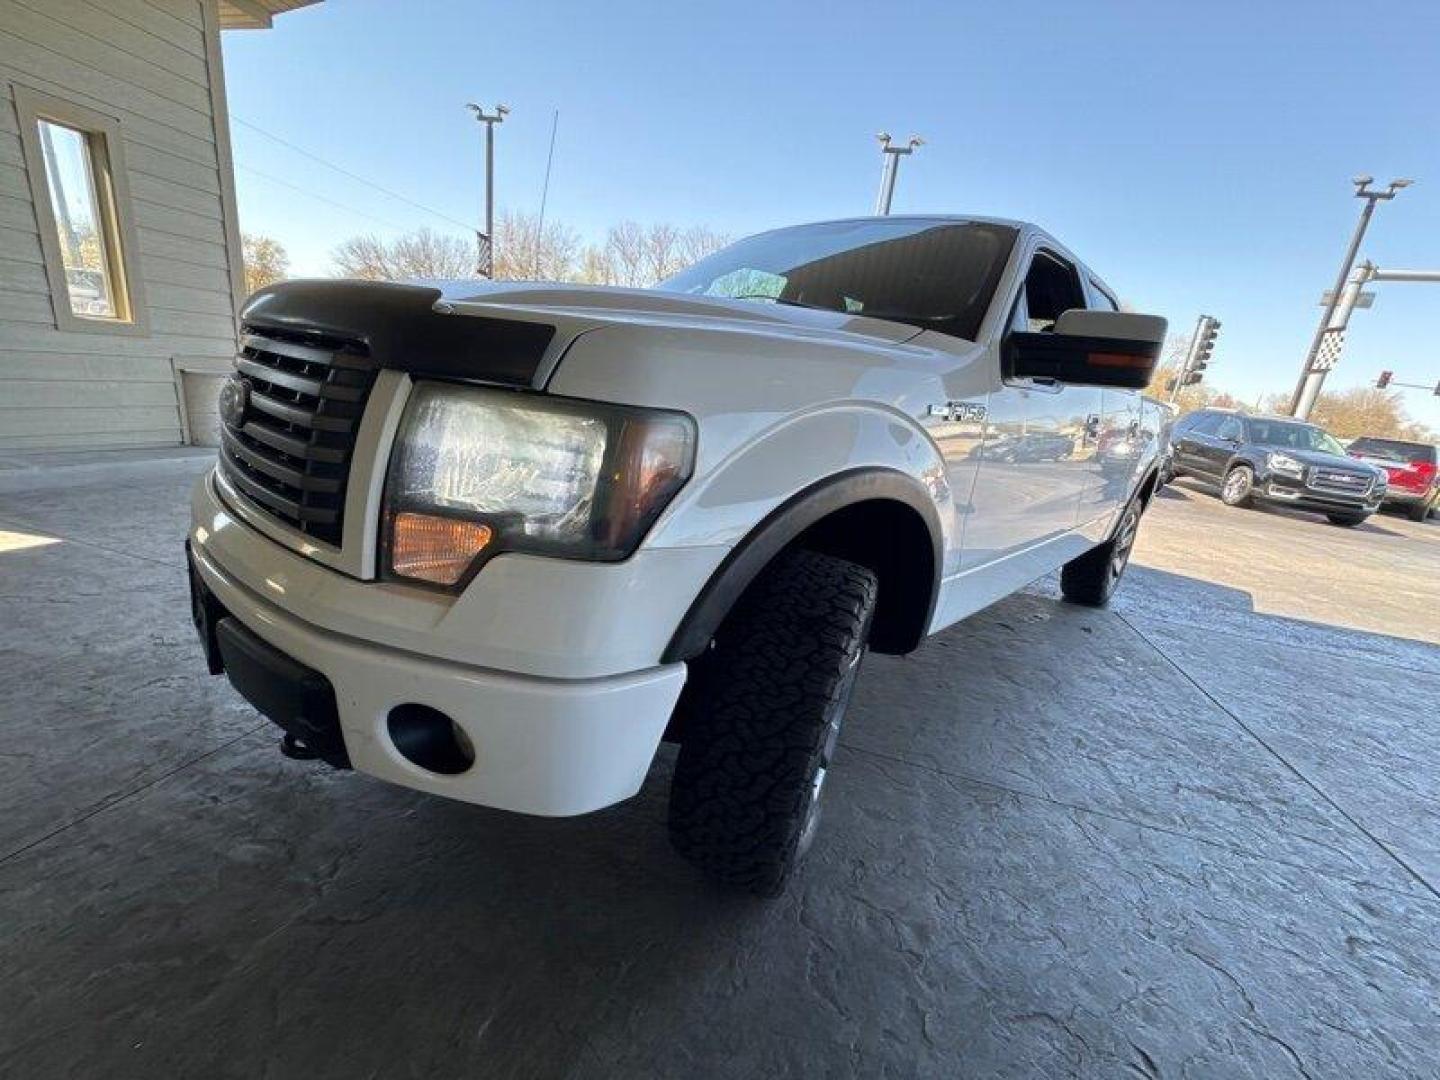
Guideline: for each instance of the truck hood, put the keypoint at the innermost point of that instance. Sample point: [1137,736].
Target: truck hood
[512,333]
[604,304]
[1329,461]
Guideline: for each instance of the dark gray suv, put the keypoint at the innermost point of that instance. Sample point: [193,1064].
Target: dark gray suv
[1275,459]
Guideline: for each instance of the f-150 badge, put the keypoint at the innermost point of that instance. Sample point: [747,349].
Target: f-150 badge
[958,410]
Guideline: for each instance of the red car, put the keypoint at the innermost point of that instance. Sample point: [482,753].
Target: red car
[1414,481]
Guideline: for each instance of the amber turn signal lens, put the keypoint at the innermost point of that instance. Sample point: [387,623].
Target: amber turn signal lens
[435,549]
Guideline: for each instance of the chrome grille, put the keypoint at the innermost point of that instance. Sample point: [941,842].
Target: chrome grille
[1339,481]
[288,446]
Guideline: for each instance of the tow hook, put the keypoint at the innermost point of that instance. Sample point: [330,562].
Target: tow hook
[296,749]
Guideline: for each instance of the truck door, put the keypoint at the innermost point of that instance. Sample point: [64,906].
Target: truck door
[1037,434]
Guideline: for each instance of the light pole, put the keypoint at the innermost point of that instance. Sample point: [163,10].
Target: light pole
[487,253]
[892,155]
[1312,374]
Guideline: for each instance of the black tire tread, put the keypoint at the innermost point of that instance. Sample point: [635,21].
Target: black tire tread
[755,724]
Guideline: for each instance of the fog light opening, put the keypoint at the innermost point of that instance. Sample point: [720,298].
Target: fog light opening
[428,738]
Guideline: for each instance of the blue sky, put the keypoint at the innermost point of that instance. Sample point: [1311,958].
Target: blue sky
[1197,155]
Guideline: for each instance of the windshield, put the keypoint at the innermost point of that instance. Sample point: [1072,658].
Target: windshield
[936,274]
[1293,436]
[1394,450]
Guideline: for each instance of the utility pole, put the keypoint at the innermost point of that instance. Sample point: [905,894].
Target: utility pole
[892,155]
[1330,336]
[486,261]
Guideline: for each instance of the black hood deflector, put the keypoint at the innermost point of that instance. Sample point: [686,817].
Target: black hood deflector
[399,328]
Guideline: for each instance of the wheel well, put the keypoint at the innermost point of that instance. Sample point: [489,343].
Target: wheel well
[892,540]
[881,518]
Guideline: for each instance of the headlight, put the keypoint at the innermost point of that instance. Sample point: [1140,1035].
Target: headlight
[1285,465]
[477,472]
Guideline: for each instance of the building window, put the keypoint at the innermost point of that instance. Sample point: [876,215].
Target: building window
[77,182]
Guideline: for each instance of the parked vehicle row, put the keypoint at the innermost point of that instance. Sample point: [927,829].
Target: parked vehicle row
[1250,459]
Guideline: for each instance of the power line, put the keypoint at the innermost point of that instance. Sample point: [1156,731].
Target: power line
[352,175]
[321,198]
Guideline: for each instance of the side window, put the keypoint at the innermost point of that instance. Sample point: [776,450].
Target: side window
[1100,300]
[1205,423]
[1051,286]
[1231,428]
[77,182]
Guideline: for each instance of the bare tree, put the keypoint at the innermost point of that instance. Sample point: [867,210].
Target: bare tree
[632,254]
[698,242]
[1361,410]
[624,250]
[638,255]
[266,261]
[595,267]
[421,254]
[526,252]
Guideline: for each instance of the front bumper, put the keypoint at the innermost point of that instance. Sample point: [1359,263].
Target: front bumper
[1287,491]
[553,740]
[553,747]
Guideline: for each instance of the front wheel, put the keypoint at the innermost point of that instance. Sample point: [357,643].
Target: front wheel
[1347,520]
[1239,487]
[1093,578]
[762,720]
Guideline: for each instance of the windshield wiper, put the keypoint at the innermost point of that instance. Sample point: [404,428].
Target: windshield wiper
[786,301]
[923,322]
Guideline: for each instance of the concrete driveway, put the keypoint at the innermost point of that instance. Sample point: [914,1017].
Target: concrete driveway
[1197,834]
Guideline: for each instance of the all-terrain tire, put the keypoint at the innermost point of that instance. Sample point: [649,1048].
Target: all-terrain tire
[762,720]
[1093,578]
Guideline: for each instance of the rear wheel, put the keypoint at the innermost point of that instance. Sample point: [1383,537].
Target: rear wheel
[1421,510]
[1093,578]
[762,720]
[1239,486]
[1348,520]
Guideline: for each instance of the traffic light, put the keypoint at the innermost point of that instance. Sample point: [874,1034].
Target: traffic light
[1384,380]
[1205,335]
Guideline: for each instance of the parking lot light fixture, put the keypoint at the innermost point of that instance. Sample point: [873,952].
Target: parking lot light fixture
[892,154]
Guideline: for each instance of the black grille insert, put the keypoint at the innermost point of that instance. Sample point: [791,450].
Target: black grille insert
[288,450]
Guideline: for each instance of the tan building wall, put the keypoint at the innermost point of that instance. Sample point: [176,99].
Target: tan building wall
[153,68]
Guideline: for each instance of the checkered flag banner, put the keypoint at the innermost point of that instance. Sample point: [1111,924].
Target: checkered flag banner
[1331,346]
[483,255]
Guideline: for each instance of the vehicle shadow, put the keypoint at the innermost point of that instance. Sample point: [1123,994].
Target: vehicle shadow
[1187,489]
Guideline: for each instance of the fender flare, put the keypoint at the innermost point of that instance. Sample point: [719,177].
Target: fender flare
[782,526]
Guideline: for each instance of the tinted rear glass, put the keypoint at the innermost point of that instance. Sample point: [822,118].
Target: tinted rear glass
[1394,450]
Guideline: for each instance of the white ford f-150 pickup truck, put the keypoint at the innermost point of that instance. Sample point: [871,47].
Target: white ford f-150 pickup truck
[497,541]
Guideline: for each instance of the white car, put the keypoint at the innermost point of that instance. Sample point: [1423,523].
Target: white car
[497,541]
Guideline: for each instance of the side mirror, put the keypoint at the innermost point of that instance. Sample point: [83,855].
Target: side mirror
[1092,348]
